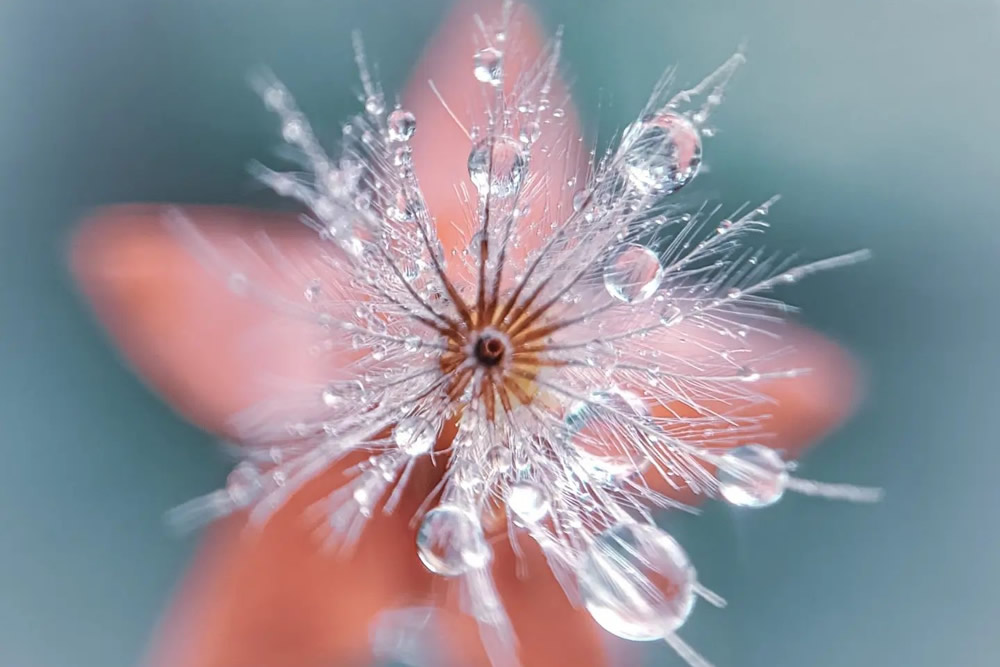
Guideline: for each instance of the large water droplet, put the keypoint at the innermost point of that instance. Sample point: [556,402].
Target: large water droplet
[450,541]
[402,125]
[663,153]
[752,476]
[503,177]
[528,501]
[603,431]
[488,66]
[415,435]
[637,582]
[633,274]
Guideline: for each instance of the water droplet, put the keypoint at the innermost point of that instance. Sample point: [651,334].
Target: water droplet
[637,582]
[662,153]
[244,484]
[752,476]
[530,132]
[488,66]
[374,105]
[336,393]
[415,435]
[603,431]
[580,199]
[450,541]
[633,274]
[292,130]
[501,176]
[528,501]
[499,458]
[313,290]
[402,124]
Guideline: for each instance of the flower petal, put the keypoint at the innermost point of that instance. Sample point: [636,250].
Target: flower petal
[210,352]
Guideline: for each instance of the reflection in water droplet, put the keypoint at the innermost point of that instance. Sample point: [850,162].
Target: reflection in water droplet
[662,153]
[402,124]
[488,66]
[752,476]
[501,176]
[414,435]
[603,432]
[637,582]
[528,501]
[633,274]
[450,541]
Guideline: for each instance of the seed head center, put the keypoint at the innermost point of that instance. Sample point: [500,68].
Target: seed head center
[490,348]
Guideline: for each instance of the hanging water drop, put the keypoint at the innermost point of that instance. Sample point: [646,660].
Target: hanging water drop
[450,541]
[498,172]
[488,66]
[244,484]
[374,105]
[528,501]
[637,582]
[633,274]
[662,153]
[414,435]
[752,476]
[402,124]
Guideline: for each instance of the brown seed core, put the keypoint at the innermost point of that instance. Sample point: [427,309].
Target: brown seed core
[489,350]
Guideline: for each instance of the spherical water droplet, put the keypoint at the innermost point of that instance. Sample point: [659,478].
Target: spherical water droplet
[604,434]
[663,153]
[374,105]
[528,501]
[450,541]
[488,66]
[244,484]
[499,458]
[501,176]
[402,125]
[337,393]
[415,435]
[752,476]
[637,582]
[529,133]
[633,274]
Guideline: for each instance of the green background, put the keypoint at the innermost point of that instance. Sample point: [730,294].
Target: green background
[877,121]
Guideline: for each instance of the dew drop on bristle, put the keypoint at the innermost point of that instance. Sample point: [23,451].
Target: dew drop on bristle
[374,105]
[605,440]
[503,177]
[662,153]
[752,476]
[487,66]
[414,435]
[528,501]
[637,582]
[450,541]
[402,124]
[633,274]
[244,484]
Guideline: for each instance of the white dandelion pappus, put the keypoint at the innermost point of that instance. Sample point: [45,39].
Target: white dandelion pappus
[579,351]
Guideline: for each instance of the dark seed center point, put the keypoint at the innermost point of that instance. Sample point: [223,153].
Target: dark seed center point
[490,350]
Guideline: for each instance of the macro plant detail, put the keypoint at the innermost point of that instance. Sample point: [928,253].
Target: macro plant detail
[577,362]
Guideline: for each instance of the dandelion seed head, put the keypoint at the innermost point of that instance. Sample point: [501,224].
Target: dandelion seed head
[586,336]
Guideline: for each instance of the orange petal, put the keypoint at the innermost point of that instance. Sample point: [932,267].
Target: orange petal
[210,352]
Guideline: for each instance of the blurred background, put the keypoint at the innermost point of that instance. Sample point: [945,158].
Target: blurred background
[877,121]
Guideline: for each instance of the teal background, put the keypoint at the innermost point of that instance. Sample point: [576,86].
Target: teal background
[877,121]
